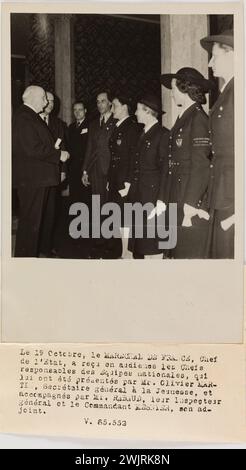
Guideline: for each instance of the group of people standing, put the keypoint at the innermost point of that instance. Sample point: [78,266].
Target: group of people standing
[132,158]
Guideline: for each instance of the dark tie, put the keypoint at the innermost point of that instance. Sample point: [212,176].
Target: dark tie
[102,122]
[77,124]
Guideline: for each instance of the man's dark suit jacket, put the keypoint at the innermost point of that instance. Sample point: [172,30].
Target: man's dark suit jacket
[77,141]
[35,160]
[97,157]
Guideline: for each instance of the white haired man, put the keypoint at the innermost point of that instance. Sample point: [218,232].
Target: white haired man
[35,169]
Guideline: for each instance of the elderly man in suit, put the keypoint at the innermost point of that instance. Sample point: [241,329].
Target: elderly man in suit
[221,124]
[35,169]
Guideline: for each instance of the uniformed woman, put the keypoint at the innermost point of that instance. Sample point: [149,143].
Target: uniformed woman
[185,177]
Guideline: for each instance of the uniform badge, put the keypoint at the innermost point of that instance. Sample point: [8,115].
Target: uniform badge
[179,142]
[118,141]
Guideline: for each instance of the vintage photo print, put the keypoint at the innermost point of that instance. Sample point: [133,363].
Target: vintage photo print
[122,173]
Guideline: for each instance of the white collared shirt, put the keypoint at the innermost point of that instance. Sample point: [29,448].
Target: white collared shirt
[78,123]
[106,117]
[147,128]
[118,123]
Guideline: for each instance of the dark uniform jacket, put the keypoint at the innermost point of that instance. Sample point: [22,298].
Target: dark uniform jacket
[221,178]
[185,177]
[123,147]
[35,160]
[150,156]
[97,151]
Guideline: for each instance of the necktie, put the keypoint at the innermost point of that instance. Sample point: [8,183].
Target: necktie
[46,120]
[102,122]
[77,124]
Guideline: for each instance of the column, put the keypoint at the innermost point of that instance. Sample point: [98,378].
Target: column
[64,64]
[180,47]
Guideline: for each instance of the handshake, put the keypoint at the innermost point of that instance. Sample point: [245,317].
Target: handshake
[64,156]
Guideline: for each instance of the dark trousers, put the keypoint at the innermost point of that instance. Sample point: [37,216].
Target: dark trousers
[49,218]
[98,187]
[33,203]
[221,243]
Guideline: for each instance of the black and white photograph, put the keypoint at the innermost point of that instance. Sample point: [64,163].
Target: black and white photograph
[122,173]
[122,141]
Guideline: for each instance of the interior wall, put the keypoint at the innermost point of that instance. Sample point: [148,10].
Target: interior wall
[115,53]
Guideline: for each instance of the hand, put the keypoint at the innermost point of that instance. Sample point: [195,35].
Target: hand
[158,209]
[203,214]
[227,223]
[58,143]
[64,156]
[189,212]
[124,192]
[63,176]
[85,179]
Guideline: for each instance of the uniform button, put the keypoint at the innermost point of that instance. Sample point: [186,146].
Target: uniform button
[169,172]
[170,137]
[170,156]
[213,152]
[210,143]
[209,132]
[170,146]
[221,108]
[211,166]
[219,115]
[180,130]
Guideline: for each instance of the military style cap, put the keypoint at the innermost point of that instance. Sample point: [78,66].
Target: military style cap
[152,102]
[224,38]
[187,74]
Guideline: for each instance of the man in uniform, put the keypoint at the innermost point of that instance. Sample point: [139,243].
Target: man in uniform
[221,123]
